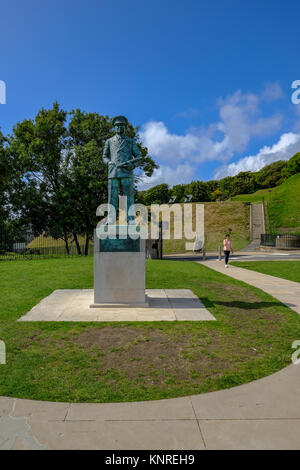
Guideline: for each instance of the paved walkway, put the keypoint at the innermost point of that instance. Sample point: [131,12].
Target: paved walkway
[240,255]
[287,292]
[264,414]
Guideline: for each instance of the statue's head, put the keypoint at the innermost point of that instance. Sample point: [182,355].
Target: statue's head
[120,123]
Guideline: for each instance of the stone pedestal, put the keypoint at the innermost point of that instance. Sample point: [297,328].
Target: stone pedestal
[119,270]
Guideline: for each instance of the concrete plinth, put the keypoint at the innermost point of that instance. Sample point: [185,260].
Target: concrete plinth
[164,305]
[119,272]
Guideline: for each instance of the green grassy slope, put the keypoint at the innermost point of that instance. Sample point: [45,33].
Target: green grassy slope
[218,218]
[283,204]
[254,197]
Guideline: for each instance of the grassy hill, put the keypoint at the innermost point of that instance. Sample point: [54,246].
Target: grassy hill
[254,197]
[283,204]
[218,218]
[48,245]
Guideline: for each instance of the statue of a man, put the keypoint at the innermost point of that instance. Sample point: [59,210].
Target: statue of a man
[122,155]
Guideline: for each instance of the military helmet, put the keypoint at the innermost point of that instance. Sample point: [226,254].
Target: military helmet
[118,119]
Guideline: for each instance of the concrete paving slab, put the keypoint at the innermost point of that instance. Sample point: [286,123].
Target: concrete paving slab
[155,434]
[40,410]
[271,434]
[273,397]
[183,315]
[164,305]
[180,294]
[172,409]
[151,435]
[89,318]
[21,443]
[6,405]
[162,317]
[12,429]
[61,435]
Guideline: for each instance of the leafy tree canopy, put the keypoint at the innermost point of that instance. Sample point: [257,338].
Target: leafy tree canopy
[61,177]
[292,166]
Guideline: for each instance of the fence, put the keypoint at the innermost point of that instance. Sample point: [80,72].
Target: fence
[28,246]
[281,240]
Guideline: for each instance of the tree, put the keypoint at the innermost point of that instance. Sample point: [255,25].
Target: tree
[38,149]
[62,178]
[199,191]
[140,196]
[216,195]
[226,186]
[5,178]
[178,191]
[292,167]
[270,175]
[243,183]
[157,195]
[212,186]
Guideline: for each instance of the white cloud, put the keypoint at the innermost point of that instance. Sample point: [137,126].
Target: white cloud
[239,121]
[165,174]
[285,148]
[272,91]
[167,146]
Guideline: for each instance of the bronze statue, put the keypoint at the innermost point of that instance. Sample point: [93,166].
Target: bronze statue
[122,155]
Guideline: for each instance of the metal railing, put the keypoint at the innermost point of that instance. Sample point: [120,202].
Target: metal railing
[28,246]
[281,240]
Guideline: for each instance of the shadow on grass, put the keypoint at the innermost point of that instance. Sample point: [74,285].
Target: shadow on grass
[240,304]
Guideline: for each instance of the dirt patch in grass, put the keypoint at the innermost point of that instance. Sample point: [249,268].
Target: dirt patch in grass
[108,337]
[156,358]
[150,354]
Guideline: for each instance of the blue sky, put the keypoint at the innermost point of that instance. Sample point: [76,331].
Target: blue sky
[208,82]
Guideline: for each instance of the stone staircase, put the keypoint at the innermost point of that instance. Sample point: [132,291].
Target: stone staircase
[257,226]
[257,221]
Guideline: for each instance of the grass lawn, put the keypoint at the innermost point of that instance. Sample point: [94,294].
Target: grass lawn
[286,269]
[283,204]
[129,361]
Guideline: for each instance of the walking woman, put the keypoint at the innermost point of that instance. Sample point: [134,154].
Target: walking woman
[227,248]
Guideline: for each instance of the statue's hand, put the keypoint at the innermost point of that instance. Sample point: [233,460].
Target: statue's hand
[127,166]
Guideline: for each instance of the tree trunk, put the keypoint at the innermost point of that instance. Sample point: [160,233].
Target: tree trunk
[87,240]
[77,244]
[66,243]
